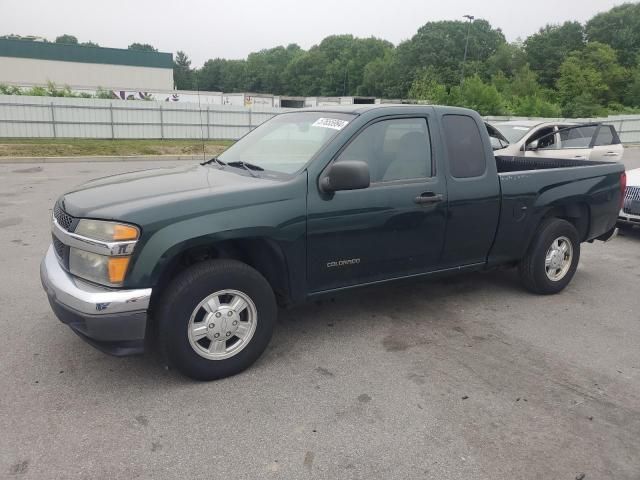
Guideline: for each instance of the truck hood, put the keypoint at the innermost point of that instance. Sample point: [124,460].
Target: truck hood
[121,197]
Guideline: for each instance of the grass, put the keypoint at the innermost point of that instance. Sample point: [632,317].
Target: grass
[78,147]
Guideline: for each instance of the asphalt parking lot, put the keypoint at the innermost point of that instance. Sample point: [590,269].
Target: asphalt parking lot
[468,377]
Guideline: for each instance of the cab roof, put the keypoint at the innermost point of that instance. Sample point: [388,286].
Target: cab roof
[358,109]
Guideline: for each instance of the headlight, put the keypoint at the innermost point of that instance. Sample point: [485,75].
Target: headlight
[106,231]
[98,268]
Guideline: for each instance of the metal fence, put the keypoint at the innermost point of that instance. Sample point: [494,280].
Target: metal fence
[50,117]
[33,117]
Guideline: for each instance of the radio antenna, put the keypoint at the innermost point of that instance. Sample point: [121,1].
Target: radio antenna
[204,154]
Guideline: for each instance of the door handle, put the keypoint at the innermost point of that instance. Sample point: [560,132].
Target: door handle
[428,198]
[611,154]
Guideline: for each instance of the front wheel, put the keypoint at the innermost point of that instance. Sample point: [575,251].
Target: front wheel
[216,318]
[552,258]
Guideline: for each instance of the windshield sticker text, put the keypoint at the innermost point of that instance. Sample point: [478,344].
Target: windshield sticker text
[334,123]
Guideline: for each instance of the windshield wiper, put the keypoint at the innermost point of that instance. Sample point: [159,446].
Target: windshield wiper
[249,167]
[214,160]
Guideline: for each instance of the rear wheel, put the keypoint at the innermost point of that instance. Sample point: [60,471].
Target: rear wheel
[552,259]
[216,318]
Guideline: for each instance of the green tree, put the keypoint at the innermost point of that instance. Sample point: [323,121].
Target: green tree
[632,98]
[442,45]
[334,67]
[604,59]
[590,80]
[508,59]
[524,96]
[580,88]
[426,88]
[145,47]
[382,77]
[66,38]
[182,73]
[474,93]
[618,28]
[266,69]
[223,75]
[534,106]
[547,49]
[89,44]
[303,75]
[10,90]
[479,96]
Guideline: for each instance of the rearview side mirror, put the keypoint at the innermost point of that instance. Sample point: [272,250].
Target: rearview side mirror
[531,145]
[346,175]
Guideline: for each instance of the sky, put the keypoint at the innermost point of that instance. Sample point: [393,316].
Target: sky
[232,29]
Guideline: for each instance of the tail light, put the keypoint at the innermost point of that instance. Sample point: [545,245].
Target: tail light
[623,187]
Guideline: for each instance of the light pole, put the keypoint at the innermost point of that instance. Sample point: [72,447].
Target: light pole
[466,46]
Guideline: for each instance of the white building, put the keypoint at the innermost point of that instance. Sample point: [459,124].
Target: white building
[31,63]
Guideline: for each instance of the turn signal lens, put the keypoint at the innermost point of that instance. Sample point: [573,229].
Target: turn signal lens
[124,232]
[118,269]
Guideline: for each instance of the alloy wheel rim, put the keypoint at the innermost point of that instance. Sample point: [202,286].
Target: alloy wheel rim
[558,259]
[222,324]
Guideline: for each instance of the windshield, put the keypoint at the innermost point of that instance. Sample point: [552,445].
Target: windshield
[513,133]
[288,141]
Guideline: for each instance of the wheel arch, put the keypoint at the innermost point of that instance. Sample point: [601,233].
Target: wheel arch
[262,253]
[576,213]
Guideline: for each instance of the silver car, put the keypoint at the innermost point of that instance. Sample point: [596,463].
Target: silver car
[532,138]
[630,212]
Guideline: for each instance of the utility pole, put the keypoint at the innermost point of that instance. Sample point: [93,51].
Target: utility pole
[466,46]
[344,83]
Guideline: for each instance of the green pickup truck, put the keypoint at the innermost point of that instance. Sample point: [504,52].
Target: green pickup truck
[309,203]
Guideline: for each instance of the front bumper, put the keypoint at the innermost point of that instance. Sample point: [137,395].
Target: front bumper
[111,320]
[628,218]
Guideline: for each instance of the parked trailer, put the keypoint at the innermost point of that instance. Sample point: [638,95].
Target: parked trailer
[248,100]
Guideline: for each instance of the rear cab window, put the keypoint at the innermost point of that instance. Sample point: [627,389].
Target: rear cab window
[465,149]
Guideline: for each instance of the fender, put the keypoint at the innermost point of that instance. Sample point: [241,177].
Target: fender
[283,222]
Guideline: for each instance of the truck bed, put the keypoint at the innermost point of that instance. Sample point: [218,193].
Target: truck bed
[508,164]
[530,186]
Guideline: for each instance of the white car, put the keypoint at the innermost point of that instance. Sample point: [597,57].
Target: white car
[630,213]
[531,138]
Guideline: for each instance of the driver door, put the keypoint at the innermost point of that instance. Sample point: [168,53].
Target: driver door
[393,228]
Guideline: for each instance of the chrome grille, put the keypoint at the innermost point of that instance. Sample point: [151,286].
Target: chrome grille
[59,247]
[631,203]
[62,252]
[65,220]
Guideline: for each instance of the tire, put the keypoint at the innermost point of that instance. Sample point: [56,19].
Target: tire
[183,317]
[534,273]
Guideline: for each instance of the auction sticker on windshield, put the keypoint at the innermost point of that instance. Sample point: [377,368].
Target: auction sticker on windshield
[334,123]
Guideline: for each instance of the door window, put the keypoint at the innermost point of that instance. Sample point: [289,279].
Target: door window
[605,136]
[577,137]
[397,149]
[545,137]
